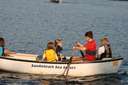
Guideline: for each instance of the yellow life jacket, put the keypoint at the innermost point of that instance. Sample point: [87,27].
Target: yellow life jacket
[50,55]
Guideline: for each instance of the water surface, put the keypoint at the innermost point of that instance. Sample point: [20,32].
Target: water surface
[27,25]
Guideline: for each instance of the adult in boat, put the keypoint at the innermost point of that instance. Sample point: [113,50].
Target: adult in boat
[104,51]
[4,51]
[89,47]
[50,54]
[59,48]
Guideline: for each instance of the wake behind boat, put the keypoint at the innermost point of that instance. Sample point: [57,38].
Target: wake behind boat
[22,64]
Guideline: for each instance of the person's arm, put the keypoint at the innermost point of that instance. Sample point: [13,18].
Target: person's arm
[44,57]
[79,46]
[7,51]
[82,48]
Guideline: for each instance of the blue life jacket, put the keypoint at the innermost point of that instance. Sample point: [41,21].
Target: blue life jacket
[1,51]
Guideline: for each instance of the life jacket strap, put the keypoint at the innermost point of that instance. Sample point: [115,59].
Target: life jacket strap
[93,53]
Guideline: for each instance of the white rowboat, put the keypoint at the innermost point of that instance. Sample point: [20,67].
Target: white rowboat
[97,67]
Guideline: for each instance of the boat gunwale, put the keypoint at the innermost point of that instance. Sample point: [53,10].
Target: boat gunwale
[87,62]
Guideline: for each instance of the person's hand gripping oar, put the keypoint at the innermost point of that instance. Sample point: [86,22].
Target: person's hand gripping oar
[77,45]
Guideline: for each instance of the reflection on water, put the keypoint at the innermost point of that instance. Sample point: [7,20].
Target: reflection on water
[27,79]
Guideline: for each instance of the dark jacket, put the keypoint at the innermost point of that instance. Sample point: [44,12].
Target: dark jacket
[59,50]
[107,53]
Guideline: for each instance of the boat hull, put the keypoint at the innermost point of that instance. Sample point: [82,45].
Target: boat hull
[47,68]
[56,1]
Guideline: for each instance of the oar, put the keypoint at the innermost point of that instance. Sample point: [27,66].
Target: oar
[68,67]
[81,52]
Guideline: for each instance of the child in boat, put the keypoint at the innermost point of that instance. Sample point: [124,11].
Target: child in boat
[104,50]
[59,48]
[50,53]
[4,51]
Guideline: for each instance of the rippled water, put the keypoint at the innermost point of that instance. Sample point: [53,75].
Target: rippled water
[27,79]
[27,25]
